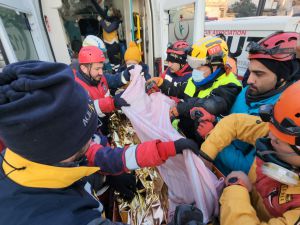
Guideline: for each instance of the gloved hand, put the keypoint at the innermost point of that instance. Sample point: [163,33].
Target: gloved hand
[152,85]
[184,143]
[125,184]
[204,127]
[120,102]
[173,113]
[126,73]
[200,114]
[187,215]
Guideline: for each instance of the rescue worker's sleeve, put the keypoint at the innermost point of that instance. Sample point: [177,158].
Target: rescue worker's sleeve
[115,81]
[236,208]
[173,89]
[218,103]
[104,105]
[221,99]
[118,160]
[244,127]
[111,27]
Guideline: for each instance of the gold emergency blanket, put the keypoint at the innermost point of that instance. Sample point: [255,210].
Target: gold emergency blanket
[150,205]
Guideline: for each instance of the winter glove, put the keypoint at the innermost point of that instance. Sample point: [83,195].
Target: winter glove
[184,143]
[126,73]
[120,102]
[152,85]
[125,184]
[204,127]
[200,114]
[173,113]
[187,215]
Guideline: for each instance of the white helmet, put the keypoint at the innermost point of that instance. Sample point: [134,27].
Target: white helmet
[92,40]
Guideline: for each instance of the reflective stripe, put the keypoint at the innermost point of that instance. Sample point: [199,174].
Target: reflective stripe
[168,77]
[98,110]
[130,158]
[224,79]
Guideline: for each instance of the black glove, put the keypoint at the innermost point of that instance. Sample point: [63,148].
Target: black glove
[187,215]
[184,143]
[125,184]
[120,102]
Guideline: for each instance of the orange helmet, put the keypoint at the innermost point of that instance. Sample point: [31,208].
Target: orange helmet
[284,117]
[90,54]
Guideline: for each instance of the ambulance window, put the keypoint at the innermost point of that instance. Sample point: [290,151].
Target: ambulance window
[18,31]
[3,58]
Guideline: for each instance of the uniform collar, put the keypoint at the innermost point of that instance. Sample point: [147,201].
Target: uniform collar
[37,175]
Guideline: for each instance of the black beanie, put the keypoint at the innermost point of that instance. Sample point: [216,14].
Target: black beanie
[45,116]
[282,69]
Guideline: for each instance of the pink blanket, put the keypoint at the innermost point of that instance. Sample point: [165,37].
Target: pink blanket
[186,176]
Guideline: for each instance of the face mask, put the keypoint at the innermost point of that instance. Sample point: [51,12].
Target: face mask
[197,75]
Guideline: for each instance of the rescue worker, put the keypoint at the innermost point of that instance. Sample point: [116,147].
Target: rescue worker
[209,87]
[273,180]
[90,76]
[46,122]
[178,70]
[92,40]
[273,67]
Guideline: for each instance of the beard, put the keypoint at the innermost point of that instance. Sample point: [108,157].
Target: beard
[253,90]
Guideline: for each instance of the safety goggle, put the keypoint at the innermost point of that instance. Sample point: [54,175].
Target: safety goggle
[287,125]
[195,62]
[255,48]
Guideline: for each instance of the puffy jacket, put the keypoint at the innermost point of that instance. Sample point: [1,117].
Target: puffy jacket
[270,201]
[240,155]
[43,194]
[216,97]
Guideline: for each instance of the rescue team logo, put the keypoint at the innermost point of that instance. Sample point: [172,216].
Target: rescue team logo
[181,30]
[89,113]
[283,196]
[214,50]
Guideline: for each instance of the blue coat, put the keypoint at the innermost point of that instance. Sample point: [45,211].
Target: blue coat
[240,155]
[73,205]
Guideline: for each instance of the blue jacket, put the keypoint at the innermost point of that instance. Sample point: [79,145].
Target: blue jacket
[51,202]
[240,155]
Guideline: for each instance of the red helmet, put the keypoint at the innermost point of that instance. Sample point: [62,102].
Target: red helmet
[90,54]
[178,48]
[278,46]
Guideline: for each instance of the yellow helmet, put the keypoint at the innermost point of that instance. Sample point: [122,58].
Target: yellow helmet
[208,51]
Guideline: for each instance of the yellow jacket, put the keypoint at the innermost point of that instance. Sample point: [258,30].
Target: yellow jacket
[237,205]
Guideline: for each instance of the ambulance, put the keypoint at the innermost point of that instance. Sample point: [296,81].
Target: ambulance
[53,30]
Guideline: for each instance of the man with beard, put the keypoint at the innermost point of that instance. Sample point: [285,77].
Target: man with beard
[273,67]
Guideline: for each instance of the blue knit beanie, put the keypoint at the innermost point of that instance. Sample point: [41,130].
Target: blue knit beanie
[45,116]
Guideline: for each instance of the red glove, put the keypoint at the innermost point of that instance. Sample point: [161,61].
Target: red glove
[204,127]
[200,114]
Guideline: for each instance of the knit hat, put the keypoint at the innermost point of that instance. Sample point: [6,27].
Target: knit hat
[45,116]
[133,53]
[282,69]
